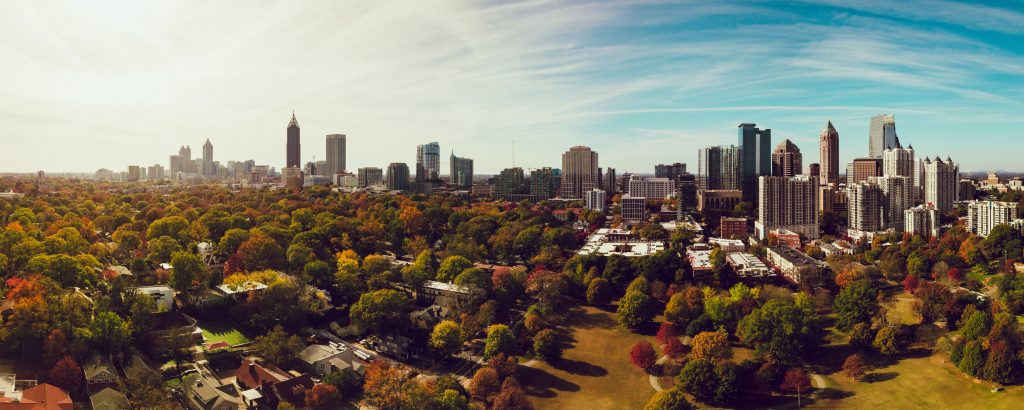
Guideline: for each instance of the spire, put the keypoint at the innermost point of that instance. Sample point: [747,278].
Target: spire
[293,122]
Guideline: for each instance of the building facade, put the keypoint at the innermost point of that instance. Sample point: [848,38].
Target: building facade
[209,170]
[609,181]
[755,158]
[670,171]
[633,208]
[828,144]
[511,181]
[335,163]
[718,168]
[542,183]
[865,213]
[787,203]
[921,220]
[595,200]
[398,176]
[787,160]
[982,216]
[899,162]
[461,172]
[579,172]
[293,149]
[863,169]
[718,199]
[941,180]
[369,176]
[428,162]
[654,188]
[882,135]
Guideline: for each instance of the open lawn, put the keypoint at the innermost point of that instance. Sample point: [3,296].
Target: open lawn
[594,372]
[223,331]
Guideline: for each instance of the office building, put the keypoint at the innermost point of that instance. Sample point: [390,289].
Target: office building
[897,196]
[542,183]
[793,264]
[292,178]
[369,176]
[398,176]
[460,172]
[670,171]
[814,170]
[609,181]
[133,173]
[579,172]
[428,162]
[718,168]
[733,228]
[921,220]
[595,200]
[787,203]
[882,135]
[653,188]
[940,181]
[982,216]
[965,191]
[787,160]
[633,208]
[865,213]
[723,200]
[335,163]
[686,193]
[156,172]
[864,168]
[208,170]
[828,142]
[755,158]
[294,150]
[511,184]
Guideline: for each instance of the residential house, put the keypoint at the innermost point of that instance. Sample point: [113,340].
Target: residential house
[206,392]
[39,397]
[136,368]
[271,384]
[109,399]
[322,360]
[428,318]
[241,290]
[443,294]
[394,345]
[99,373]
[161,294]
[173,323]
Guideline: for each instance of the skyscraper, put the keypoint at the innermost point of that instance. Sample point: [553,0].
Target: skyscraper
[882,135]
[718,167]
[864,168]
[293,149]
[609,181]
[898,161]
[941,180]
[369,176]
[670,171]
[787,203]
[542,183]
[982,216]
[897,193]
[814,170]
[209,170]
[755,158]
[686,194]
[579,172]
[511,181]
[335,154]
[398,176]
[829,160]
[461,172]
[865,212]
[787,160]
[428,162]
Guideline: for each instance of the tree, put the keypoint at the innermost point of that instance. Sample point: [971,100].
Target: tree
[175,227]
[855,367]
[855,303]
[451,400]
[779,330]
[796,380]
[511,397]
[484,384]
[976,324]
[642,355]
[55,347]
[634,309]
[599,292]
[685,306]
[323,397]
[670,399]
[261,252]
[388,387]
[446,338]
[500,340]
[348,382]
[547,345]
[452,267]
[421,270]
[887,341]
[110,333]
[673,348]
[189,271]
[298,255]
[698,378]
[999,367]
[278,347]
[231,240]
[713,346]
[666,332]
[380,310]
[161,249]
[66,374]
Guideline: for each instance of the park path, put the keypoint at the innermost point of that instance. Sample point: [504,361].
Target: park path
[655,383]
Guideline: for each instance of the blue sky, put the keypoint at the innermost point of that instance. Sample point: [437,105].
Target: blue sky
[108,83]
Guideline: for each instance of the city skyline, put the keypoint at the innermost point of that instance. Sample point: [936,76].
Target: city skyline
[107,85]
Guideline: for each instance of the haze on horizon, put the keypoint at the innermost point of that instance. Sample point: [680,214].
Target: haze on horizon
[85,85]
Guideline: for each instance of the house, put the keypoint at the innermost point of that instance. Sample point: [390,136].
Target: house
[173,323]
[205,392]
[266,385]
[39,397]
[443,294]
[241,290]
[99,373]
[115,271]
[161,294]
[393,345]
[431,316]
[109,399]
[322,360]
[136,368]
[792,263]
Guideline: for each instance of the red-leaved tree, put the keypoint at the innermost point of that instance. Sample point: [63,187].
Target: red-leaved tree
[673,348]
[642,355]
[665,332]
[910,283]
[796,380]
[323,397]
[66,374]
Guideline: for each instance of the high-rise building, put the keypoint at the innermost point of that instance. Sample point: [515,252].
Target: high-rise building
[292,178]
[510,182]
[633,208]
[718,168]
[787,160]
[921,220]
[398,176]
[865,213]
[579,172]
[966,190]
[828,142]
[899,161]
[369,176]
[624,181]
[595,200]
[941,179]
[686,194]
[982,216]
[460,172]
[882,135]
[863,169]
[897,196]
[814,170]
[156,172]
[293,149]
[209,170]
[654,188]
[133,173]
[755,158]
[789,203]
[609,181]
[670,171]
[335,154]
[428,161]
[542,183]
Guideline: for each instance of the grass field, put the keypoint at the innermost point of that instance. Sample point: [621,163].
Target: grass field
[223,330]
[594,372]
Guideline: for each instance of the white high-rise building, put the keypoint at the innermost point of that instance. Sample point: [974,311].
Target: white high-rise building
[651,187]
[595,200]
[335,154]
[898,196]
[633,208]
[789,203]
[428,161]
[899,162]
[882,135]
[921,220]
[982,216]
[941,181]
[865,207]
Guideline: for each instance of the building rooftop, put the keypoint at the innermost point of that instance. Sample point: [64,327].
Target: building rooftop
[450,287]
[794,256]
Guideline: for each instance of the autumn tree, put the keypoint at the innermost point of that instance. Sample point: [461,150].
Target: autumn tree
[452,267]
[666,332]
[380,310]
[855,367]
[673,348]
[685,306]
[446,338]
[713,346]
[634,309]
[669,399]
[323,397]
[55,347]
[887,340]
[796,380]
[511,397]
[547,345]
[484,384]
[261,252]
[66,374]
[642,355]
[599,292]
[500,340]
[278,347]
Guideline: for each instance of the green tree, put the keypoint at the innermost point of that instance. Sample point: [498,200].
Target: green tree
[599,292]
[547,345]
[299,255]
[634,309]
[419,271]
[670,399]
[161,249]
[380,310]
[685,306]
[278,347]
[109,332]
[446,338]
[175,227]
[189,271]
[976,324]
[452,267]
[779,330]
[699,379]
[231,240]
[856,303]
[887,340]
[973,358]
[500,340]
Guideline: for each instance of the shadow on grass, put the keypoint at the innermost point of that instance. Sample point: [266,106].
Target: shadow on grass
[540,383]
[879,377]
[585,320]
[830,393]
[579,368]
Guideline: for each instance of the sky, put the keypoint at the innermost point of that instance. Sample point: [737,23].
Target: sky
[85,85]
